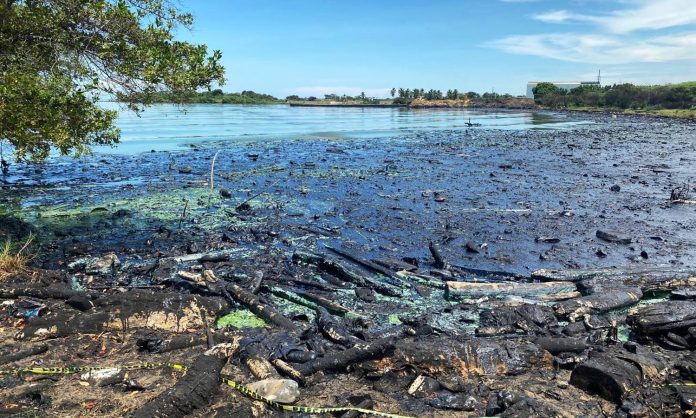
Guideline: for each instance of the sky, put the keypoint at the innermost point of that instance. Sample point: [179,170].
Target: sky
[316,47]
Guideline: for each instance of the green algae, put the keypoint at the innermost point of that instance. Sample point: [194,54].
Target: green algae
[240,319]
[394,319]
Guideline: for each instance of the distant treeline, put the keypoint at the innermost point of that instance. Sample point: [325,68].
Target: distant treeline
[362,98]
[398,96]
[406,96]
[216,96]
[621,96]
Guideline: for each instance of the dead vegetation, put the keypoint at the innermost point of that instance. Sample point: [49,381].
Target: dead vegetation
[14,257]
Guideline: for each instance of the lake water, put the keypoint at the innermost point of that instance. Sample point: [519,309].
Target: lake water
[167,127]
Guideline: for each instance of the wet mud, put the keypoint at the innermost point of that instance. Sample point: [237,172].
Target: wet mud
[454,273]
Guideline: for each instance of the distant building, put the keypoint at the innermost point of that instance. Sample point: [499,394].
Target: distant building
[566,85]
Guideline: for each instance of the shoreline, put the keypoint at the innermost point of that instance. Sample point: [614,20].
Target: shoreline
[680,114]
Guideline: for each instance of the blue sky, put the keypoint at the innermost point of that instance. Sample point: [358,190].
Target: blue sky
[313,47]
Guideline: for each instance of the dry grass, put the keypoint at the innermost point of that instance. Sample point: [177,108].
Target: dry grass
[13,257]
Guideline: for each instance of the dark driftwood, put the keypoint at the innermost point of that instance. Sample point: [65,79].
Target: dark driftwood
[612,237]
[367,264]
[470,358]
[557,345]
[663,317]
[260,367]
[437,255]
[198,388]
[329,328]
[330,305]
[178,342]
[607,376]
[338,360]
[598,302]
[344,273]
[55,291]
[20,393]
[395,264]
[485,274]
[641,274]
[502,289]
[137,309]
[530,318]
[21,354]
[654,282]
[264,311]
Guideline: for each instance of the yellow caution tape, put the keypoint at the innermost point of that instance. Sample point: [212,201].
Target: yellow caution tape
[229,382]
[305,409]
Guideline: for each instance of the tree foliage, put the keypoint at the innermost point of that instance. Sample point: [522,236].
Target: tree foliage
[546,89]
[216,96]
[624,96]
[59,57]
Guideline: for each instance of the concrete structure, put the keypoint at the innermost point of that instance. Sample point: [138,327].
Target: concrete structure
[566,85]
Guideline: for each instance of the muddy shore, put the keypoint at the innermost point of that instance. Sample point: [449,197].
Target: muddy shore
[446,274]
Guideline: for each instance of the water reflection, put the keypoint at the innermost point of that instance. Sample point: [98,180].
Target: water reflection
[165,127]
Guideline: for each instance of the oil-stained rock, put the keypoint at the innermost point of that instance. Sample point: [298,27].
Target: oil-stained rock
[597,303]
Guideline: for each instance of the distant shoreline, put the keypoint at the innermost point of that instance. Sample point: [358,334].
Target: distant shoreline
[309,104]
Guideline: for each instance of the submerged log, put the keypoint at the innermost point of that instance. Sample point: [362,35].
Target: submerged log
[472,290]
[264,311]
[597,303]
[195,390]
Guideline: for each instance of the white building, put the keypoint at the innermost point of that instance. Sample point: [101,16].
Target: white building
[566,85]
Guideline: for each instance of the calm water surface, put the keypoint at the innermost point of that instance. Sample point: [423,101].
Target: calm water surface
[166,127]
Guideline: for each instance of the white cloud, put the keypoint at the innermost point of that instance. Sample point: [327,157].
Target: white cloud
[320,91]
[562,16]
[643,15]
[601,49]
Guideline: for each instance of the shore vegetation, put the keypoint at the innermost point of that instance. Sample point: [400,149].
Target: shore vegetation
[215,96]
[60,57]
[677,100]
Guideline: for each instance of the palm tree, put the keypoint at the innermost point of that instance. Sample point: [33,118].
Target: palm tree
[393,92]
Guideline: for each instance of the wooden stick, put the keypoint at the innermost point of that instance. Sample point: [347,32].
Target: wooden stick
[265,312]
[476,290]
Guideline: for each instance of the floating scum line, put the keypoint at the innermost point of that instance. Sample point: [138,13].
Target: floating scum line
[229,382]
